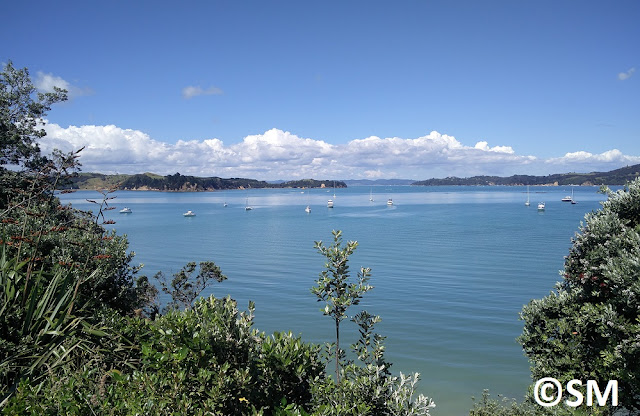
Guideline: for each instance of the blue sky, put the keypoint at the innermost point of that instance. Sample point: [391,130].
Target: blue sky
[337,89]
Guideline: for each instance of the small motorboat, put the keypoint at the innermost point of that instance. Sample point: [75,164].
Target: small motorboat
[189,214]
[126,210]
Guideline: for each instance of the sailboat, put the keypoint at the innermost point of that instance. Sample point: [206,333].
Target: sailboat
[568,198]
[247,207]
[527,203]
[308,207]
[370,195]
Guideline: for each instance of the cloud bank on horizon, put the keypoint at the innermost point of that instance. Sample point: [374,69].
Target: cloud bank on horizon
[277,154]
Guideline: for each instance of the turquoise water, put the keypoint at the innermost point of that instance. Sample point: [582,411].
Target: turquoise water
[452,266]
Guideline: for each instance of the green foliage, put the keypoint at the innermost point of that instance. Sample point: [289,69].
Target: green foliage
[589,327]
[507,407]
[333,286]
[21,116]
[52,235]
[206,360]
[184,288]
[40,323]
[365,387]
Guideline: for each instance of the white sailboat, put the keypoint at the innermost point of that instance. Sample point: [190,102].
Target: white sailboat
[247,207]
[308,207]
[370,195]
[527,203]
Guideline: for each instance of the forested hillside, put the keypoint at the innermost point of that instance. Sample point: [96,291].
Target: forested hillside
[615,177]
[178,182]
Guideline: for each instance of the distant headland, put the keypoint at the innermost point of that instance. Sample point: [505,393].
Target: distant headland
[615,177]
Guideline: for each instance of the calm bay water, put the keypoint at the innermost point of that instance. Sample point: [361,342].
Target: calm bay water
[452,266]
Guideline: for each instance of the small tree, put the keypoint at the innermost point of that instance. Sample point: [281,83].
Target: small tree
[590,326]
[185,289]
[363,387]
[333,286]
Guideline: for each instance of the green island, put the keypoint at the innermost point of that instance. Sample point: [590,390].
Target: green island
[82,333]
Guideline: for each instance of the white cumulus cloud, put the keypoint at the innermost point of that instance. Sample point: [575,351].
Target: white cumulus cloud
[500,149]
[278,154]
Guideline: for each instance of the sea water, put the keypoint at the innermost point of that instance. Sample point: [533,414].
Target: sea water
[452,266]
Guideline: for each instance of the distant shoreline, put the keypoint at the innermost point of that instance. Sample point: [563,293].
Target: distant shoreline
[184,183]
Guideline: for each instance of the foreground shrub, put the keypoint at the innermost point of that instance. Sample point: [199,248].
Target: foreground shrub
[589,328]
[207,360]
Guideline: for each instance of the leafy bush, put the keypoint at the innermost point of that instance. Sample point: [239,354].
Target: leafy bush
[207,360]
[589,327]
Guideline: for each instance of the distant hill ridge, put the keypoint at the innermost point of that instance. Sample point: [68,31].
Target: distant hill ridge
[185,183]
[615,177]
